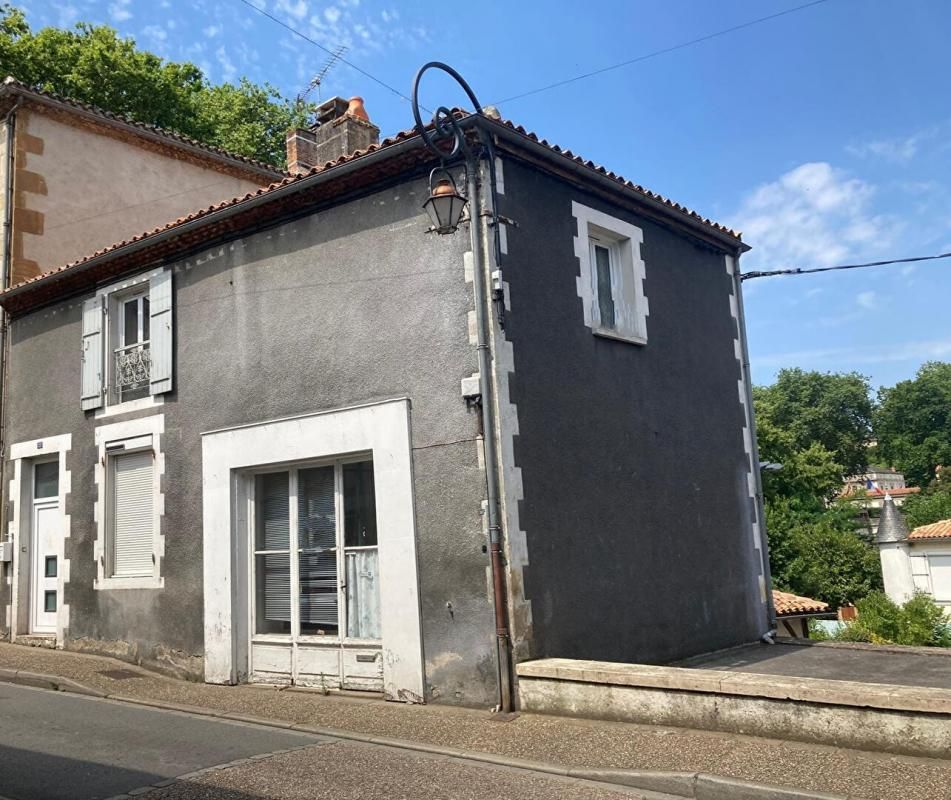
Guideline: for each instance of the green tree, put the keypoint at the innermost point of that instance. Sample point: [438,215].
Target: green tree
[913,423]
[833,410]
[919,622]
[93,64]
[931,505]
[832,562]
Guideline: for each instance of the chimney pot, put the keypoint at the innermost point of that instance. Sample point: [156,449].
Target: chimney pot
[357,109]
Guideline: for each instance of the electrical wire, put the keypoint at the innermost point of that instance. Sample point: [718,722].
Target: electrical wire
[809,270]
[350,64]
[656,53]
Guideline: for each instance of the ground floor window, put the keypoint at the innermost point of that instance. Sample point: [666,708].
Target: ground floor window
[316,564]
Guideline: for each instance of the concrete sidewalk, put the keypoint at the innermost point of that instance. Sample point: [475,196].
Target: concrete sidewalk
[554,740]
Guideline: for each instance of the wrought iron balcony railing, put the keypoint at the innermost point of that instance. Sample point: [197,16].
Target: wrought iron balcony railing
[132,367]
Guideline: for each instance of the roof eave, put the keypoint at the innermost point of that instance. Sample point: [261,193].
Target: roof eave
[704,230]
[16,89]
[151,240]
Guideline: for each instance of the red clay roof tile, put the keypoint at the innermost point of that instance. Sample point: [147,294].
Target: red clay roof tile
[788,604]
[936,530]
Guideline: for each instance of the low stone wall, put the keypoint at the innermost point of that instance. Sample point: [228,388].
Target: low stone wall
[897,719]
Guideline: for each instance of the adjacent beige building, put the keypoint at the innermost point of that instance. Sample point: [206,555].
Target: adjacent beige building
[77,179]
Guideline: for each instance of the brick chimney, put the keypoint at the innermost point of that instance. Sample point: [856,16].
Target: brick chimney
[341,128]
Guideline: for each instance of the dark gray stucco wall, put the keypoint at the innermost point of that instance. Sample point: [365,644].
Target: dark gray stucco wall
[352,304]
[636,508]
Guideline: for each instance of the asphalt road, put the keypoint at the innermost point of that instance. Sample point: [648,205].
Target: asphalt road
[58,746]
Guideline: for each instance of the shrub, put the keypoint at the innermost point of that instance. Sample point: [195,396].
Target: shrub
[920,622]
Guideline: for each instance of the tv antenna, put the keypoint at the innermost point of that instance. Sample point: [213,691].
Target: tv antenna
[335,55]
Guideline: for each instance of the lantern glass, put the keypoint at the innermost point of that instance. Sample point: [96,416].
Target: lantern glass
[445,206]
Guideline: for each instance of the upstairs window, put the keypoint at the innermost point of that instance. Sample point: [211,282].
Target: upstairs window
[127,341]
[611,283]
[131,362]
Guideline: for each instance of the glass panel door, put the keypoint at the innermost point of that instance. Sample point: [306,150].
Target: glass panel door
[315,583]
[317,543]
[361,552]
[272,558]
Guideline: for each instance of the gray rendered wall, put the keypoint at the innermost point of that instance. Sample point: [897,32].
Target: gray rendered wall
[636,509]
[352,304]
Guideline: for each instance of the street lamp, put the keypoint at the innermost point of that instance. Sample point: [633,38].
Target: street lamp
[445,138]
[444,204]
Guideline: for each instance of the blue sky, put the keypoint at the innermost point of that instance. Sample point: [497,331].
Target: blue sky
[825,135]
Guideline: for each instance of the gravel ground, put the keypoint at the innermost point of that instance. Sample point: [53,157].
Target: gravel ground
[349,771]
[558,740]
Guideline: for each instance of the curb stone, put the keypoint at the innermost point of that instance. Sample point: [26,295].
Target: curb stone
[692,785]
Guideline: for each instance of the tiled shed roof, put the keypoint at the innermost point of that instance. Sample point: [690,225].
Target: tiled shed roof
[670,209]
[790,605]
[11,86]
[936,530]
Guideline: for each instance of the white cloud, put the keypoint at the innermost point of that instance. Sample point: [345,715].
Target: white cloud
[228,70]
[900,149]
[332,14]
[119,11]
[211,31]
[867,300]
[813,215]
[67,15]
[297,9]
[876,353]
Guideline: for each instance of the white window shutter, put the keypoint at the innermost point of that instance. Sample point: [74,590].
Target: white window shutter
[92,377]
[132,515]
[160,332]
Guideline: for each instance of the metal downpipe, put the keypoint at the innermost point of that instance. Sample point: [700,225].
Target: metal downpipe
[489,443]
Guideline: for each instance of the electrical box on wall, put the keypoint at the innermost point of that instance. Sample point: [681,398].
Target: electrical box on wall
[6,551]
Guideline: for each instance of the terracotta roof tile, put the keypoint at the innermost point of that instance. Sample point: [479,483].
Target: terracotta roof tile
[290,179]
[788,604]
[13,86]
[936,530]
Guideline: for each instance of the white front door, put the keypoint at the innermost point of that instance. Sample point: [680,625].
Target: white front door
[47,532]
[315,594]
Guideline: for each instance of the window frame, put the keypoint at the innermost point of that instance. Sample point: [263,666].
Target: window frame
[124,438]
[340,549]
[112,299]
[623,243]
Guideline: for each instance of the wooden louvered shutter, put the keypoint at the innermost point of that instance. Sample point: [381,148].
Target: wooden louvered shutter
[160,332]
[132,514]
[92,372]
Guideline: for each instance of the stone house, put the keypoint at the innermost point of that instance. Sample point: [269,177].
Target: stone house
[251,445]
[915,561]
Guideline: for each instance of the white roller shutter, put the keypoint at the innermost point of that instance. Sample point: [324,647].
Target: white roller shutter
[92,383]
[132,514]
[160,331]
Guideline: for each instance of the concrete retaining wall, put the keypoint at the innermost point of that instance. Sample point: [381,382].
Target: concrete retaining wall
[897,719]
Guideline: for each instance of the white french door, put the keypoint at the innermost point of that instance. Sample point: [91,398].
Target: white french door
[315,595]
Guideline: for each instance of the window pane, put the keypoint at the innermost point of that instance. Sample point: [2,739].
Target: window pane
[318,592]
[49,602]
[359,505]
[363,594]
[132,490]
[316,511]
[130,321]
[272,529]
[145,318]
[272,589]
[46,479]
[602,258]
[50,567]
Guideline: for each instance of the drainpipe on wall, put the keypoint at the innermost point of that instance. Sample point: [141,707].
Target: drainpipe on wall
[489,441]
[757,474]
[9,122]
